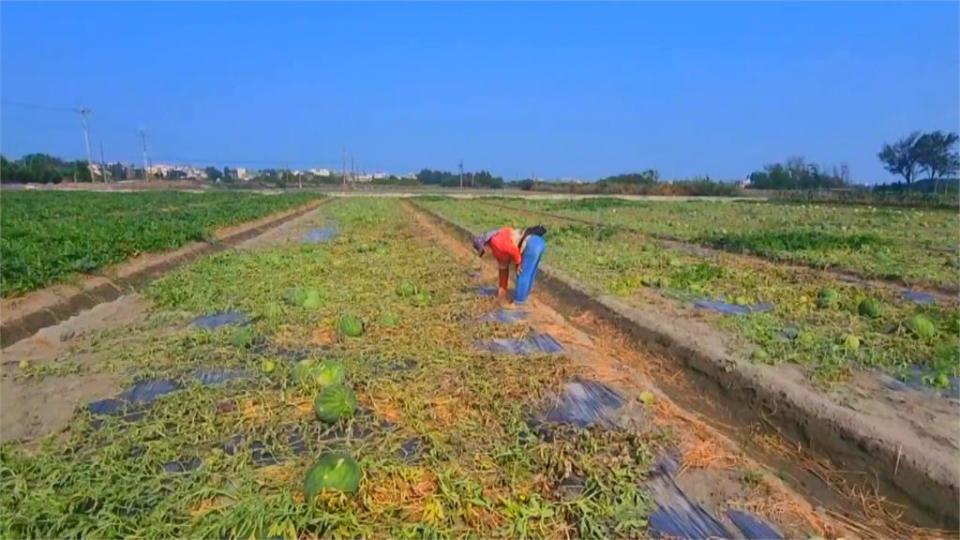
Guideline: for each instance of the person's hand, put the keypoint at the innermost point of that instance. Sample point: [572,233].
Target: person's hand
[519,270]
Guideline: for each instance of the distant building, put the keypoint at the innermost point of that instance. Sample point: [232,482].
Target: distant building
[321,172]
[119,171]
[238,173]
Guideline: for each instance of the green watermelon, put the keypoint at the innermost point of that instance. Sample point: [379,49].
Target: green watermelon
[335,402]
[851,343]
[325,373]
[295,296]
[921,327]
[312,300]
[406,289]
[334,471]
[267,365]
[421,299]
[869,307]
[351,326]
[243,337]
[827,298]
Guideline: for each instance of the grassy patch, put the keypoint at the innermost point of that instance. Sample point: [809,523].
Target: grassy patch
[49,236]
[441,433]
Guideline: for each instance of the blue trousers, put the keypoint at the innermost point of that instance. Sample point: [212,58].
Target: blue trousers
[532,251]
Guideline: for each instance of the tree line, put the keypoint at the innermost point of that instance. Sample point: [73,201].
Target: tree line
[798,174]
[482,179]
[42,169]
[647,182]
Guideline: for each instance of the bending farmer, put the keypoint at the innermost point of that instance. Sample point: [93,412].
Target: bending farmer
[522,247]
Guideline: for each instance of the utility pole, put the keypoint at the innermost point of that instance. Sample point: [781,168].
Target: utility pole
[461,174]
[143,141]
[86,137]
[103,165]
[343,169]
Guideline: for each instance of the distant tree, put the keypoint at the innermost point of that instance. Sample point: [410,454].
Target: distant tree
[43,169]
[798,174]
[901,157]
[83,171]
[429,177]
[933,153]
[647,177]
[213,173]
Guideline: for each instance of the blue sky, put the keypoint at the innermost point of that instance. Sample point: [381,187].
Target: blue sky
[556,90]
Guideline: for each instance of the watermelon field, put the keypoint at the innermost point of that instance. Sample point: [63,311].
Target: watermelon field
[917,246]
[800,315]
[350,375]
[49,236]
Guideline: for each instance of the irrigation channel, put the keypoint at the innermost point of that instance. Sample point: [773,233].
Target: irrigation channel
[176,411]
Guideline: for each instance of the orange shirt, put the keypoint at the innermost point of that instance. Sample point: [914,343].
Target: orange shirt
[504,248]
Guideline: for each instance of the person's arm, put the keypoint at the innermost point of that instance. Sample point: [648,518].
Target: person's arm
[504,281]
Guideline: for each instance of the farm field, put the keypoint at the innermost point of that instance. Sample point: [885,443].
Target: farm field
[365,353]
[810,318]
[50,236]
[917,246]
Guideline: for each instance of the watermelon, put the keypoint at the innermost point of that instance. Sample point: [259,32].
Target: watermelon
[313,373]
[334,471]
[806,339]
[406,289]
[421,299]
[869,307]
[921,327]
[351,326]
[243,337]
[851,343]
[295,296]
[827,298]
[335,402]
[267,365]
[312,300]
